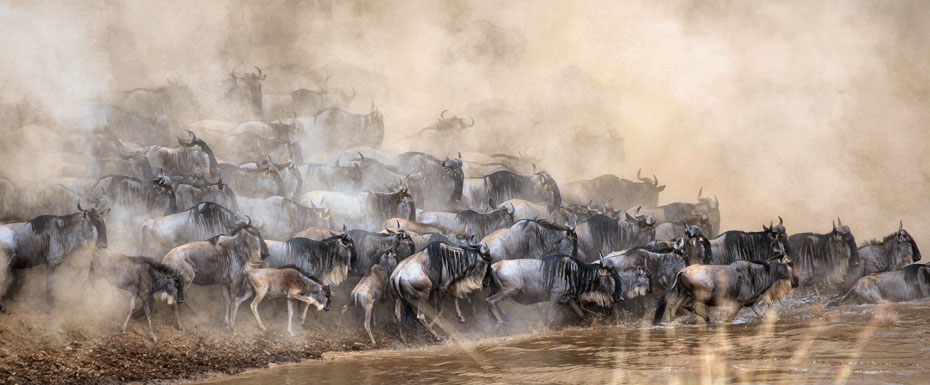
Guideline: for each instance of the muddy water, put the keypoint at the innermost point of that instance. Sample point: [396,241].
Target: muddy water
[803,344]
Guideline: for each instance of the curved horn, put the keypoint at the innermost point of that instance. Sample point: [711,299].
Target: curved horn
[79,205]
[372,106]
[259,71]
[249,223]
[699,192]
[653,221]
[472,121]
[344,230]
[193,136]
[780,221]
[637,209]
[834,226]
[512,209]
[900,225]
[442,115]
[656,179]
[839,221]
[716,202]
[637,174]
[361,156]
[601,258]
[534,167]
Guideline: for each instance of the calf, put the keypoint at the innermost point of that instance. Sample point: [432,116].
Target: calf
[286,281]
[909,284]
[372,288]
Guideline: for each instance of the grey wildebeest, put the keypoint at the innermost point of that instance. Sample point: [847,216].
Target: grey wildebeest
[203,221]
[370,246]
[191,193]
[192,157]
[143,277]
[523,209]
[279,217]
[336,129]
[469,221]
[894,252]
[662,267]
[445,125]
[437,269]
[318,233]
[336,177]
[156,195]
[667,231]
[328,259]
[479,193]
[603,234]
[908,284]
[220,260]
[397,224]
[823,260]
[731,287]
[624,193]
[263,179]
[49,240]
[735,245]
[305,101]
[372,288]
[287,281]
[685,211]
[558,279]
[366,210]
[531,238]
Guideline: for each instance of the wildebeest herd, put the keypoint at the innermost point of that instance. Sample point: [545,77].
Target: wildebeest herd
[238,205]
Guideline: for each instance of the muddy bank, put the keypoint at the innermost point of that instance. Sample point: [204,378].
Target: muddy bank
[38,348]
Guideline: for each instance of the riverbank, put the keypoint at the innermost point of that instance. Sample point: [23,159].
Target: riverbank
[38,348]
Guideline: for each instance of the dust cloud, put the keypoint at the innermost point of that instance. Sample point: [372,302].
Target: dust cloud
[804,110]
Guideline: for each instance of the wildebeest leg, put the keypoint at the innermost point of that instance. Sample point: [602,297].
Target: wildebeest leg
[574,305]
[734,313]
[177,317]
[242,298]
[49,301]
[258,299]
[756,309]
[148,317]
[290,315]
[368,306]
[228,308]
[422,318]
[439,306]
[398,316]
[458,312]
[132,307]
[701,310]
[494,300]
[3,309]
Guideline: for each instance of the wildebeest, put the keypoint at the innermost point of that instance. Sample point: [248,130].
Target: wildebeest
[370,246]
[239,143]
[372,287]
[204,220]
[523,209]
[157,195]
[245,90]
[531,238]
[624,193]
[894,252]
[686,211]
[279,217]
[192,193]
[469,221]
[439,268]
[263,179]
[823,259]
[667,231]
[481,193]
[908,284]
[558,279]
[445,125]
[732,287]
[328,259]
[49,240]
[661,267]
[309,102]
[735,245]
[318,233]
[286,281]
[364,210]
[143,277]
[220,260]
[191,157]
[337,129]
[397,224]
[440,182]
[602,234]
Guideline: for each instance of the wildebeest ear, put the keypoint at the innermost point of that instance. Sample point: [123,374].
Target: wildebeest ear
[104,212]
[660,188]
[629,217]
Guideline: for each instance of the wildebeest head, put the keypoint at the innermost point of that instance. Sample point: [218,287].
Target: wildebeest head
[323,215]
[904,243]
[250,85]
[609,280]
[784,267]
[654,182]
[195,141]
[452,169]
[250,238]
[777,233]
[174,290]
[92,221]
[346,245]
[841,234]
[544,182]
[645,224]
[453,123]
[694,246]
[635,283]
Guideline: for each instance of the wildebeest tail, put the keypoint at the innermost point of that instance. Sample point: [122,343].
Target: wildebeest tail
[663,301]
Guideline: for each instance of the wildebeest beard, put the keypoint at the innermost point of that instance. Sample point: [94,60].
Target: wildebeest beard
[574,276]
[457,269]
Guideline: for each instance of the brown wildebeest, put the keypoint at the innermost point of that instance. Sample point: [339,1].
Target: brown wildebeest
[372,287]
[910,284]
[288,282]
[731,287]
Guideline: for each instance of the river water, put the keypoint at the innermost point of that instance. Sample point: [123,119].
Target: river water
[801,344]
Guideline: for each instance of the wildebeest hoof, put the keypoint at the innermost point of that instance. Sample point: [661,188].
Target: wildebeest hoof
[461,319]
[180,329]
